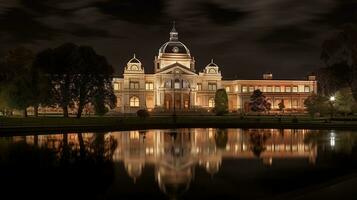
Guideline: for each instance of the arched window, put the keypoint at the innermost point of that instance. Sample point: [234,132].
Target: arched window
[134,101]
[211,102]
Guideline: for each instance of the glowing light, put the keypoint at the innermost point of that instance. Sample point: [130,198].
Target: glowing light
[332,98]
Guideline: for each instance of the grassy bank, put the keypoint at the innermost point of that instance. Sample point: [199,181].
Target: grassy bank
[59,124]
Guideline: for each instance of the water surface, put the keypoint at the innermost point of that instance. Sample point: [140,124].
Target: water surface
[178,163]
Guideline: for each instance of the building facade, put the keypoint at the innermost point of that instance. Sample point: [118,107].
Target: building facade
[175,85]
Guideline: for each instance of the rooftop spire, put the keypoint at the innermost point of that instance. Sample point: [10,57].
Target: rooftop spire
[173,32]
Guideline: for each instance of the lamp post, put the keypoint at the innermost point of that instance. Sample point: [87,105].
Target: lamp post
[332,101]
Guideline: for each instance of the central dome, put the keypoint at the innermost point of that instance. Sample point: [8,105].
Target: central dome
[174,46]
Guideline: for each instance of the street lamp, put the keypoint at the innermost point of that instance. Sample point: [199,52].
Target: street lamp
[332,101]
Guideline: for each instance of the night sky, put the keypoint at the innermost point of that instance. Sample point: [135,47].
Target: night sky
[245,37]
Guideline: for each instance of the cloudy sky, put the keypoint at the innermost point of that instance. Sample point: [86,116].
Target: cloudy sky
[245,37]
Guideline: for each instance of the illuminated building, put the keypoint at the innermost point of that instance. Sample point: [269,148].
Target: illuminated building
[176,85]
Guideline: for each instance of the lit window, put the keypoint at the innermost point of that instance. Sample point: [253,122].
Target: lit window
[295,89]
[177,84]
[251,89]
[211,102]
[212,86]
[227,89]
[244,89]
[277,89]
[307,89]
[134,101]
[294,103]
[116,86]
[134,85]
[287,89]
[149,86]
[269,89]
[199,86]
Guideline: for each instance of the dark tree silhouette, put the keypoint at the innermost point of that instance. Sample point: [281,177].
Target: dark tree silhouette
[258,102]
[340,56]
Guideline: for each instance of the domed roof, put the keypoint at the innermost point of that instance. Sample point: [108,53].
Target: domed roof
[174,45]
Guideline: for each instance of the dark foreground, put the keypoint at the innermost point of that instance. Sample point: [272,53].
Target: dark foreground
[206,163]
[19,125]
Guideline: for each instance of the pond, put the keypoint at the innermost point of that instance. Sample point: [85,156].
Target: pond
[175,163]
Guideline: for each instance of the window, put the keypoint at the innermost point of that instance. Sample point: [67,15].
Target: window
[244,89]
[307,89]
[149,86]
[134,85]
[185,84]
[177,84]
[212,86]
[168,84]
[277,88]
[227,89]
[288,89]
[295,89]
[134,101]
[251,89]
[269,89]
[199,86]
[294,103]
[116,86]
[259,88]
[211,102]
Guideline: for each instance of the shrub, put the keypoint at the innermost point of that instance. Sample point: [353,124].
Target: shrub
[142,113]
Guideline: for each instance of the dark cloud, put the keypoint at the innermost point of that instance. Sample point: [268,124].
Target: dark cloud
[344,11]
[244,37]
[83,31]
[220,14]
[18,25]
[292,35]
[136,11]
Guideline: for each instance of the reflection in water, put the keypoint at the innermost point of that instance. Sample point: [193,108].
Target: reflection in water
[176,154]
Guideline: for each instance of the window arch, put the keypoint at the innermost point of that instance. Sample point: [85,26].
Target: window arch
[134,101]
[211,103]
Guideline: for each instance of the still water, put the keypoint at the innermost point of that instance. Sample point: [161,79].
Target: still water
[178,163]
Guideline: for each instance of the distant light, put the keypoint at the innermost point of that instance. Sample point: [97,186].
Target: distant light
[332,139]
[332,98]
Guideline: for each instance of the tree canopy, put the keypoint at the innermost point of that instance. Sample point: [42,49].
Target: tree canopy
[221,102]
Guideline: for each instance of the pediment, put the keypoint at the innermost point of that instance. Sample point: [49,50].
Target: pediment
[176,68]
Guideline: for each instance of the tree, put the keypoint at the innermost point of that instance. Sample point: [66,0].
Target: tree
[258,102]
[317,104]
[340,56]
[221,102]
[281,105]
[344,101]
[58,65]
[93,81]
[18,85]
[77,76]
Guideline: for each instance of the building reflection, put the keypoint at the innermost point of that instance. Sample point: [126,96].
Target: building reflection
[176,153]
